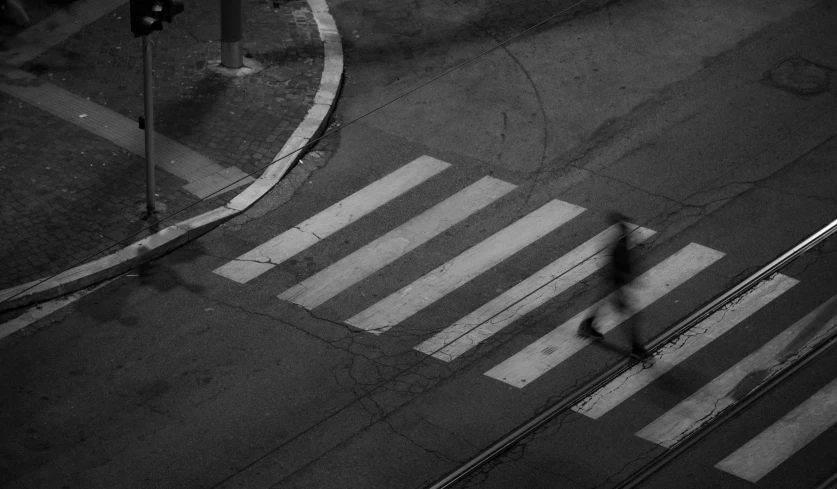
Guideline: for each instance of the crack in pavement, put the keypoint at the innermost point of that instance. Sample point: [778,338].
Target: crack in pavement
[404,379]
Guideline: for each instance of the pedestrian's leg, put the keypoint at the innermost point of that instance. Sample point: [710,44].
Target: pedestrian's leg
[626,308]
[637,350]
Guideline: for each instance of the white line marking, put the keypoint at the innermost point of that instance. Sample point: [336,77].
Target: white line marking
[527,296]
[341,275]
[266,256]
[785,437]
[689,343]
[563,342]
[458,271]
[742,378]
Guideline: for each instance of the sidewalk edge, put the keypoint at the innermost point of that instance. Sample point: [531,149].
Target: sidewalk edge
[183,232]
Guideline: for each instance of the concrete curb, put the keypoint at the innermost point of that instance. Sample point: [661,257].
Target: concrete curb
[178,234]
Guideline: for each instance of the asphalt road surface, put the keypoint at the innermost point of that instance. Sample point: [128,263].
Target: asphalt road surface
[416,298]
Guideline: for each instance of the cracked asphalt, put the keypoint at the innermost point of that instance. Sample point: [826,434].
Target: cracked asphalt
[173,376]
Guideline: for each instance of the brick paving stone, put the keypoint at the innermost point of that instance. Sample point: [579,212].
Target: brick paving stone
[68,196]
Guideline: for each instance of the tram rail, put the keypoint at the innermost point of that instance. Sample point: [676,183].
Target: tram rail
[830,483]
[511,439]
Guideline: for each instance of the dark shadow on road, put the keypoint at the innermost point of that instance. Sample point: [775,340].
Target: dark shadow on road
[160,274]
[679,382]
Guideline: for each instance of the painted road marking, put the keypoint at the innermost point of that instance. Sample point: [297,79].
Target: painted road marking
[266,256]
[341,275]
[527,296]
[561,343]
[460,270]
[687,344]
[785,437]
[743,377]
[204,176]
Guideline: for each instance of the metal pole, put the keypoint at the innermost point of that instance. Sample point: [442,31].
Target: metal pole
[231,34]
[148,90]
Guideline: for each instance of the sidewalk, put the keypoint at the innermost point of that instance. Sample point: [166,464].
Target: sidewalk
[72,168]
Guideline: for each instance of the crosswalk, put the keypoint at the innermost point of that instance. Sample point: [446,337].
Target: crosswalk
[526,296]
[458,271]
[792,432]
[542,356]
[784,438]
[561,343]
[263,258]
[321,287]
[633,380]
[725,389]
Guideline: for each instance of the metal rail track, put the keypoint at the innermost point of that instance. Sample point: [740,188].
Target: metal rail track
[649,469]
[720,301]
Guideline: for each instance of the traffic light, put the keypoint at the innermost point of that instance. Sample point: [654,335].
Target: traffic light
[149,15]
[170,9]
[145,17]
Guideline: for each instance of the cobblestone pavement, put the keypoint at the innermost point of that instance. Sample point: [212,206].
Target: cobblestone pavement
[68,196]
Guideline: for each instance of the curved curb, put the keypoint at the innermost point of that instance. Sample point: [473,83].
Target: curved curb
[181,233]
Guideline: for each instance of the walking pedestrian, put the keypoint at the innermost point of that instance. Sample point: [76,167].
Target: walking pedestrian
[621,277]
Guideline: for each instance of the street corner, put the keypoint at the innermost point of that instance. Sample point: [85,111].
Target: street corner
[68,195]
[234,122]
[214,134]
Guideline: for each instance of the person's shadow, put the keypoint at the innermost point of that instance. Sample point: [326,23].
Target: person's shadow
[679,382]
[160,274]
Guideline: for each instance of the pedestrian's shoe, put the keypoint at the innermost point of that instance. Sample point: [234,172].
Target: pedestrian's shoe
[640,353]
[586,329]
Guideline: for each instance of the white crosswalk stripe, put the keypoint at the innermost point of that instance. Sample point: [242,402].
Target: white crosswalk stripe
[637,377]
[527,296]
[780,441]
[756,368]
[352,269]
[556,346]
[261,259]
[460,270]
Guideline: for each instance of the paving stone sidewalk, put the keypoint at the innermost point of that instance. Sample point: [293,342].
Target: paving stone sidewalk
[68,196]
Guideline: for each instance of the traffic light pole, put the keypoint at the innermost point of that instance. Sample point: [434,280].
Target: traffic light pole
[147,16]
[231,34]
[148,91]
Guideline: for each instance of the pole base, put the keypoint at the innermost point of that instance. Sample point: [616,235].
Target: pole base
[146,212]
[231,55]
[251,66]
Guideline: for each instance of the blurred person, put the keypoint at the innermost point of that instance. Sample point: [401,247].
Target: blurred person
[621,278]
